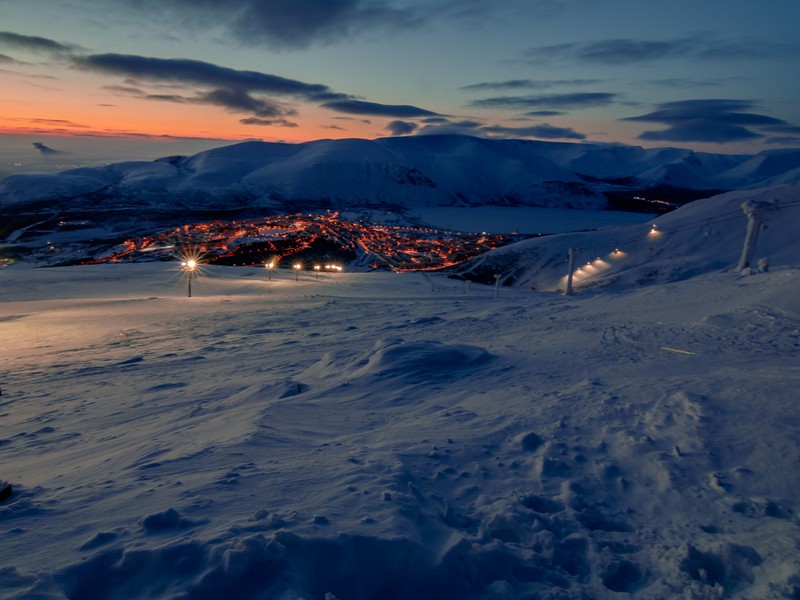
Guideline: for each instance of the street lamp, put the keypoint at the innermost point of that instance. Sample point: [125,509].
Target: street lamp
[269,266]
[189,265]
[297,267]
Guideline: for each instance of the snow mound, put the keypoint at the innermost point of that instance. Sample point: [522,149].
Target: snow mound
[411,362]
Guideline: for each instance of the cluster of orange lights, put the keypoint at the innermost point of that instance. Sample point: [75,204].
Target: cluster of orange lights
[282,237]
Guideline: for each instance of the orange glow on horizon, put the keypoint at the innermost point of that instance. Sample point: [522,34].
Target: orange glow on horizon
[141,119]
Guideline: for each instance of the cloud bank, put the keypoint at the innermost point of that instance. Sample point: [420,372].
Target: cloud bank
[284,24]
[361,107]
[718,121]
[196,72]
[534,84]
[555,101]
[35,44]
[626,51]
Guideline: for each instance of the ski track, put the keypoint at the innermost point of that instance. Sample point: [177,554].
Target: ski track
[530,445]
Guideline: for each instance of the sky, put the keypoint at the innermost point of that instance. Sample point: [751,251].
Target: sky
[710,75]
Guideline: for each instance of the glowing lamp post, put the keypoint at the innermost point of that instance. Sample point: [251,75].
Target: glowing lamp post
[189,266]
[269,266]
[297,267]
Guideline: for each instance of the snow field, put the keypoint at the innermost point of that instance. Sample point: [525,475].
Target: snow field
[389,436]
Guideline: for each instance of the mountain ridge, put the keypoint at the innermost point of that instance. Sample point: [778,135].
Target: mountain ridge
[402,172]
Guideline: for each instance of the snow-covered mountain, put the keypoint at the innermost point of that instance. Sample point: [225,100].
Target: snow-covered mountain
[352,172]
[399,172]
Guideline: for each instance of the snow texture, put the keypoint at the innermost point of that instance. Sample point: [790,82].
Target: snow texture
[384,436]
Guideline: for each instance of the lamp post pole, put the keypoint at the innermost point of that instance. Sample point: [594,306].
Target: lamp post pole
[572,253]
[189,266]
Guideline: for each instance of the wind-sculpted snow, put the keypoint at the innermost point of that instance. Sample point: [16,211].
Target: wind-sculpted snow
[418,362]
[384,436]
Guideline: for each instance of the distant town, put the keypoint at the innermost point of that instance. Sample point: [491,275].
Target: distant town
[313,241]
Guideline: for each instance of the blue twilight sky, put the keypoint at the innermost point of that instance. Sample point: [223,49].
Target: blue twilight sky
[713,75]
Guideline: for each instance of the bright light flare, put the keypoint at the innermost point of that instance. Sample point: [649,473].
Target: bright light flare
[190,264]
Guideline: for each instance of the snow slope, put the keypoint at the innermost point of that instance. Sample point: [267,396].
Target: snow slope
[701,237]
[364,436]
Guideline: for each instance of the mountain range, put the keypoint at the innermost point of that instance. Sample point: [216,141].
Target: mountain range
[401,172]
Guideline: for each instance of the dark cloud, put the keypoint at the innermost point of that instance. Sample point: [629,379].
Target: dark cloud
[511,84]
[784,141]
[558,101]
[447,127]
[685,82]
[723,111]
[534,84]
[36,44]
[231,99]
[360,107]
[9,60]
[543,131]
[543,113]
[366,121]
[269,122]
[434,120]
[45,149]
[624,51]
[195,72]
[783,129]
[55,123]
[718,121]
[240,101]
[167,98]
[285,24]
[701,130]
[476,128]
[397,128]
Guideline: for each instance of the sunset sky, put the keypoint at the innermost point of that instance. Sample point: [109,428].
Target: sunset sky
[714,75]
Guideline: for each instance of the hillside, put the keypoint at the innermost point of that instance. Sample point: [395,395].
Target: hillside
[701,237]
